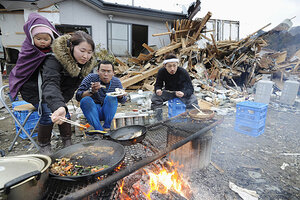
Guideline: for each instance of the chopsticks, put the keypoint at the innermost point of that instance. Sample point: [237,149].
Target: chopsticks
[73,123]
[197,108]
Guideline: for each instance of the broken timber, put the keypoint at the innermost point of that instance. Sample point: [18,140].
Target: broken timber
[137,78]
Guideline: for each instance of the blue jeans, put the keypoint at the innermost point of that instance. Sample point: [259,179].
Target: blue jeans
[46,113]
[95,113]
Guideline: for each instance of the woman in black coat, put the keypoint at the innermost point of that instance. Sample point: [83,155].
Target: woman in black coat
[73,59]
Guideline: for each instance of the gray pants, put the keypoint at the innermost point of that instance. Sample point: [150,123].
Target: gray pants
[157,101]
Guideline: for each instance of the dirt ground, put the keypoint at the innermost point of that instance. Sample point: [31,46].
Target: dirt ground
[268,164]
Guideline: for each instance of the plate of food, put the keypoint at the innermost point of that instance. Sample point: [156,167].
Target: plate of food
[118,92]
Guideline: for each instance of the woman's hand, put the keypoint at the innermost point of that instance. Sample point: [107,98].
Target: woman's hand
[159,92]
[59,113]
[179,94]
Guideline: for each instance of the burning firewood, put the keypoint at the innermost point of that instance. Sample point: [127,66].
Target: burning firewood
[159,180]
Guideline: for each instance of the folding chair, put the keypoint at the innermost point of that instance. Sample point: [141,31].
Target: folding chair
[21,108]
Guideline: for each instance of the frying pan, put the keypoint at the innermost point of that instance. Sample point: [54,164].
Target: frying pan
[92,153]
[126,135]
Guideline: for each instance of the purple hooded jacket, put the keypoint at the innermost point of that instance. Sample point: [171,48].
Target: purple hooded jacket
[30,57]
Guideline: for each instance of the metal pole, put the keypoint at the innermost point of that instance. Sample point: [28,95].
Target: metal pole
[80,194]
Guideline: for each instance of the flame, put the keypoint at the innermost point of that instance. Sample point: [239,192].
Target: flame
[162,181]
[123,195]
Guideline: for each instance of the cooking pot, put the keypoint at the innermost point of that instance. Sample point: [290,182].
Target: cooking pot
[126,135]
[23,177]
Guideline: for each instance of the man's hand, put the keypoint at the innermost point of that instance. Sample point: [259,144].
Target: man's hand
[159,92]
[179,94]
[59,113]
[95,86]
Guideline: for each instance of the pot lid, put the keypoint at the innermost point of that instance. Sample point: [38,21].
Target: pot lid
[13,167]
[46,159]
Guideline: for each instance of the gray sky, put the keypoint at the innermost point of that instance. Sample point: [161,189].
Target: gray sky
[252,14]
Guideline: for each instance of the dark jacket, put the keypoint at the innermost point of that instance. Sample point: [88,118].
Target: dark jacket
[101,94]
[180,81]
[30,57]
[62,75]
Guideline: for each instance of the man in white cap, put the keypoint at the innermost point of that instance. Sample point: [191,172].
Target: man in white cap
[171,82]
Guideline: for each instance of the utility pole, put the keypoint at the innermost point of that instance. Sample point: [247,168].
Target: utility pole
[132,2]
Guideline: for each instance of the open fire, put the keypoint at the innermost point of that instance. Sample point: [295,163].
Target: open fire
[157,181]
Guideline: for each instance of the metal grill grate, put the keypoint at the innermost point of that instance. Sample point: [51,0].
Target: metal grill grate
[159,137]
[57,189]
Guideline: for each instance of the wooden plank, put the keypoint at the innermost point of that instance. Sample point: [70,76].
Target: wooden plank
[202,24]
[170,32]
[124,77]
[134,87]
[120,62]
[134,60]
[148,48]
[205,37]
[209,58]
[297,66]
[246,38]
[167,25]
[188,49]
[146,67]
[214,42]
[148,87]
[168,49]
[183,43]
[144,57]
[135,79]
[133,72]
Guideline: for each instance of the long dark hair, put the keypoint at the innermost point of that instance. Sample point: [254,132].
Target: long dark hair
[81,36]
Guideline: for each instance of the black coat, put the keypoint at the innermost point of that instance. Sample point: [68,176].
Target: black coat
[61,76]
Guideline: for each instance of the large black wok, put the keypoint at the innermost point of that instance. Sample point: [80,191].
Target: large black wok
[126,135]
[92,153]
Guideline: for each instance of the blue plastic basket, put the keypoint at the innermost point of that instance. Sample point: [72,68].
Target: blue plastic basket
[21,115]
[249,130]
[250,110]
[175,107]
[250,118]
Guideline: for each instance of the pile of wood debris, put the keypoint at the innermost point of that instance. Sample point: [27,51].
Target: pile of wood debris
[225,63]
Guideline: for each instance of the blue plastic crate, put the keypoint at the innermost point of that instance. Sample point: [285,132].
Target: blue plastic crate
[250,123]
[249,129]
[253,111]
[21,115]
[175,107]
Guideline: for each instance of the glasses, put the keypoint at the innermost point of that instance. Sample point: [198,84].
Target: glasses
[105,71]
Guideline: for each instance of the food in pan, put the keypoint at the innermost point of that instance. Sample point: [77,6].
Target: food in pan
[64,167]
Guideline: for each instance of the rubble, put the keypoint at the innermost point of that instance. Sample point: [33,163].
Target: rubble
[222,72]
